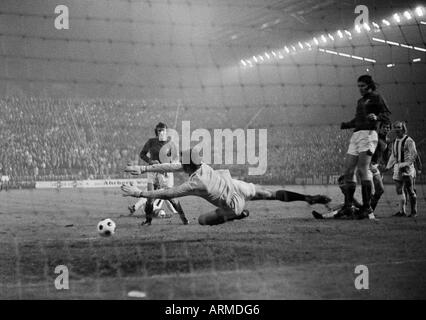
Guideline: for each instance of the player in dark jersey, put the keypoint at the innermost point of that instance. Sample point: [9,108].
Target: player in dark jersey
[370,112]
[378,163]
[155,151]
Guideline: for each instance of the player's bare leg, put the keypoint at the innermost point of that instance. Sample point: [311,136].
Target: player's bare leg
[402,200]
[379,189]
[263,193]
[409,186]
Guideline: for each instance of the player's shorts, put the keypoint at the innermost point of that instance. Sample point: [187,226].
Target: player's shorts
[4,178]
[399,173]
[362,141]
[161,180]
[242,191]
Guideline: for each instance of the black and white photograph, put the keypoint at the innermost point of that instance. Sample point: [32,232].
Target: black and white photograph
[229,152]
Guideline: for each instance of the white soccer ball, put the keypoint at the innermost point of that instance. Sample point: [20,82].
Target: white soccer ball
[106,227]
[161,213]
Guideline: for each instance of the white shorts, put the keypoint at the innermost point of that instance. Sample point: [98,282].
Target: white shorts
[407,171]
[161,180]
[4,178]
[242,191]
[362,141]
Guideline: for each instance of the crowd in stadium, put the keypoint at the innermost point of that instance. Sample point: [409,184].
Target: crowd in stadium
[51,139]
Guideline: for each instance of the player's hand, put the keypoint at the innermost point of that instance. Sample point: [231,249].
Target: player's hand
[130,191]
[372,117]
[135,170]
[151,162]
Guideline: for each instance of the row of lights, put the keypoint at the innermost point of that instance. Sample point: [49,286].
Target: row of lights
[324,38]
[391,65]
[397,44]
[347,55]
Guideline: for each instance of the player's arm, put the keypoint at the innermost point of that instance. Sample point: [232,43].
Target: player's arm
[419,163]
[411,154]
[182,190]
[378,110]
[348,125]
[161,167]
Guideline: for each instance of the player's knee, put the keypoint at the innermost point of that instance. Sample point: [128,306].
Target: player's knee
[411,192]
[202,220]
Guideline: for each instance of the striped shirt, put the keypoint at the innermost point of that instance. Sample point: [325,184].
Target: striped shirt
[403,152]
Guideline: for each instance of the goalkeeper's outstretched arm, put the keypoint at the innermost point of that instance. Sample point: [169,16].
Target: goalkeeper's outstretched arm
[161,167]
[185,189]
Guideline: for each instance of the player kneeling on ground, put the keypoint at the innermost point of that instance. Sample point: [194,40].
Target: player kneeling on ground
[227,194]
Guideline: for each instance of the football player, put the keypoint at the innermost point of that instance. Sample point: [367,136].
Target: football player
[370,111]
[153,152]
[227,194]
[402,159]
[378,160]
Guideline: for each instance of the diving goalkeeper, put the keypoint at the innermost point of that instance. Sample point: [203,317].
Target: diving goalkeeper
[227,194]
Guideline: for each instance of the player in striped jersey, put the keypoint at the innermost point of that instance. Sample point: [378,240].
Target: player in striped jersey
[227,194]
[402,159]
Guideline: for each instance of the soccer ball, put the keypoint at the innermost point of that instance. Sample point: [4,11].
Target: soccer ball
[106,227]
[160,213]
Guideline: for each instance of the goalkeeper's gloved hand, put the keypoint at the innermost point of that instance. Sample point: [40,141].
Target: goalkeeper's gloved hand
[135,170]
[131,191]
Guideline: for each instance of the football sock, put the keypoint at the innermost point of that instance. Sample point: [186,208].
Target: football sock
[288,196]
[375,200]
[149,210]
[413,202]
[349,190]
[366,191]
